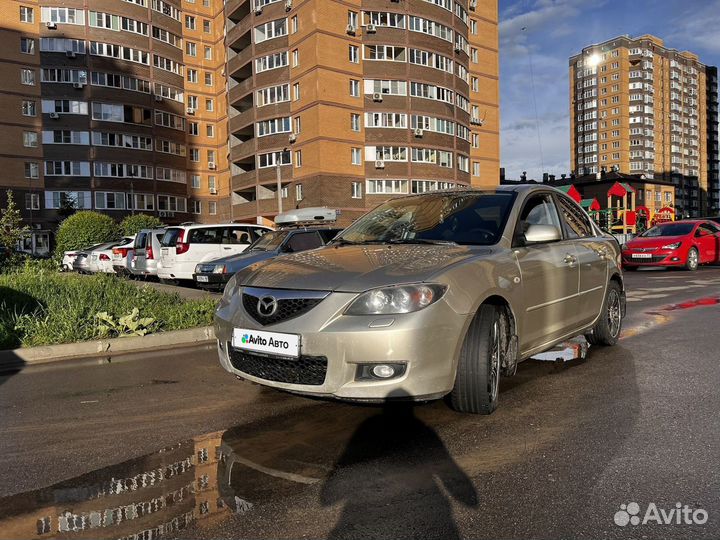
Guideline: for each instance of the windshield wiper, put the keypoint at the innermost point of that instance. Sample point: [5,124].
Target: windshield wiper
[422,241]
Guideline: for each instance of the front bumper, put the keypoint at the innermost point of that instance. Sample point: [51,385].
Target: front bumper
[214,281]
[665,257]
[427,343]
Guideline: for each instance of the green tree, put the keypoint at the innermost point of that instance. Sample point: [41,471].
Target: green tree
[84,229]
[134,224]
[11,225]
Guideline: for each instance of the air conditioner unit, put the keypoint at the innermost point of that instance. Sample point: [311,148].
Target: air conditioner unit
[473,4]
[458,49]
[418,132]
[292,137]
[78,85]
[350,29]
[371,29]
[211,165]
[70,54]
[213,191]
[54,115]
[190,111]
[379,164]
[258,11]
[377,96]
[158,98]
[476,121]
[288,5]
[51,25]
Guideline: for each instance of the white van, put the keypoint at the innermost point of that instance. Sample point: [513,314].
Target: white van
[184,246]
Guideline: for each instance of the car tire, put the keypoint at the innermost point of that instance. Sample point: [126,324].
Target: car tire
[608,327]
[693,260]
[169,281]
[478,373]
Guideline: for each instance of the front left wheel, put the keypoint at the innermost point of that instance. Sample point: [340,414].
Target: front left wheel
[607,329]
[477,381]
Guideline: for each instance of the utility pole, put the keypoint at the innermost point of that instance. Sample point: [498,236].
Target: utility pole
[132,193]
[279,179]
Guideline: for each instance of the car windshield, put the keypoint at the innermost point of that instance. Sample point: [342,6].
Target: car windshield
[669,229]
[269,241]
[475,218]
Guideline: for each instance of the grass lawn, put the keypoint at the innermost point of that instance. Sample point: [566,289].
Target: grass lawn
[39,306]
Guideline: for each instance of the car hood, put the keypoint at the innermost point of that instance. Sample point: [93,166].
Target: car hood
[656,242]
[235,263]
[355,268]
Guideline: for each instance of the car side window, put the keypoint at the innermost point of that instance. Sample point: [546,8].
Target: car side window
[236,236]
[704,229]
[304,241]
[578,223]
[538,210]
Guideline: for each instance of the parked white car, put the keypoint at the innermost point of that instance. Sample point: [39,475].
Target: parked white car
[146,252]
[121,257]
[100,259]
[184,246]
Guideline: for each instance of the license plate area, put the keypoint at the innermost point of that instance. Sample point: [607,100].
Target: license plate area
[641,255]
[202,279]
[271,343]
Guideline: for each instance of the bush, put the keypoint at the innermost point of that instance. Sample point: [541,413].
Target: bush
[134,224]
[44,307]
[84,229]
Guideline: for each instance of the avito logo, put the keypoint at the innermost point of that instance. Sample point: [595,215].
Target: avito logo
[249,339]
[679,515]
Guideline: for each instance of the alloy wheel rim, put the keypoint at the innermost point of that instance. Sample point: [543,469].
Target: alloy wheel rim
[692,259]
[614,318]
[494,368]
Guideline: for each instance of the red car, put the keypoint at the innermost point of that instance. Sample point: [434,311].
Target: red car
[687,244]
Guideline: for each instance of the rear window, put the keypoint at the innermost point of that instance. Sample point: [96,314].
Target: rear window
[221,235]
[170,237]
[329,234]
[140,240]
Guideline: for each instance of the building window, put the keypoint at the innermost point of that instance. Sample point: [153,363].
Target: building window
[354,122]
[386,187]
[190,48]
[27,15]
[354,88]
[27,77]
[29,108]
[192,102]
[209,104]
[31,169]
[212,208]
[475,84]
[190,22]
[297,125]
[192,75]
[354,54]
[208,53]
[30,139]
[294,24]
[210,130]
[206,26]
[211,183]
[296,91]
[476,168]
[474,56]
[208,78]
[195,155]
[356,156]
[27,46]
[356,190]
[32,201]
[473,27]
[295,58]
[211,156]
[195,207]
[298,159]
[298,192]
[195,181]
[353,19]
[194,128]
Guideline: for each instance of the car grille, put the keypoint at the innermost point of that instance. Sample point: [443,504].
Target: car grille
[653,259]
[288,308]
[308,370]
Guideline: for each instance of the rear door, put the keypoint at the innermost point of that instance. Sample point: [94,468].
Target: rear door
[167,246]
[236,239]
[592,254]
[204,244]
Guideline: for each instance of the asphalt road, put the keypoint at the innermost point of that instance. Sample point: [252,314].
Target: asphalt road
[636,423]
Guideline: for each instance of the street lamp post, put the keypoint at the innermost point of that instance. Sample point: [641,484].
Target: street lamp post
[279,181]
[132,192]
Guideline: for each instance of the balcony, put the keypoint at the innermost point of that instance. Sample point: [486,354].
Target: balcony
[245,180]
[238,37]
[239,91]
[243,120]
[244,152]
[240,65]
[236,10]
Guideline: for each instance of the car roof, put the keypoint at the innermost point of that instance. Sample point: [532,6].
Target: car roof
[210,225]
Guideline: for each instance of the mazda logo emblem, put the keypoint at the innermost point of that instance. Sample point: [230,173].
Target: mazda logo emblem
[267,306]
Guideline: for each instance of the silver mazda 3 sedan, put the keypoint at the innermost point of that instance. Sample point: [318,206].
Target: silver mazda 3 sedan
[425,296]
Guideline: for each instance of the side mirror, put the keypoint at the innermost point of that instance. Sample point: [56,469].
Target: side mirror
[537,234]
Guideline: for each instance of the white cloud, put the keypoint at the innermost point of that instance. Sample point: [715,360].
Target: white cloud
[697,28]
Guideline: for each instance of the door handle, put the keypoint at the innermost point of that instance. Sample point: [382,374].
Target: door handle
[227,248]
[570,259]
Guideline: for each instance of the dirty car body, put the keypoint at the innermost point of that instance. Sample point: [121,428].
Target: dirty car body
[399,303]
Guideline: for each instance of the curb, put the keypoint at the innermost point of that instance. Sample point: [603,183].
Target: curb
[15,359]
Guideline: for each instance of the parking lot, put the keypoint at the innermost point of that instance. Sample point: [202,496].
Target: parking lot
[566,448]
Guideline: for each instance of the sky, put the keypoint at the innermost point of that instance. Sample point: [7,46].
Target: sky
[537,37]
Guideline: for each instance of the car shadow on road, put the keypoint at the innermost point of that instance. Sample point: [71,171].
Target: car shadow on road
[392,479]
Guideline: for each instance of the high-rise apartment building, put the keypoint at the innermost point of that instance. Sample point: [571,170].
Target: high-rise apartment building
[118,106]
[347,104]
[639,107]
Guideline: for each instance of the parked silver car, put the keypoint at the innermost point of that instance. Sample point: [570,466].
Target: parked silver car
[426,295]
[144,261]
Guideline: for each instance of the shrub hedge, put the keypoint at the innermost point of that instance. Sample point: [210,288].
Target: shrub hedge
[134,224]
[84,229]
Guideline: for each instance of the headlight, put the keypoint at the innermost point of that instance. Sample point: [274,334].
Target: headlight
[623,247]
[219,269]
[394,300]
[197,269]
[674,245]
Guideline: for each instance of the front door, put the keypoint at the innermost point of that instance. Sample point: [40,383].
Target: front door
[549,276]
[706,240]
[592,254]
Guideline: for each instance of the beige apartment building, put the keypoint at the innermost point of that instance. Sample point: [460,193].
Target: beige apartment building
[345,104]
[118,107]
[639,107]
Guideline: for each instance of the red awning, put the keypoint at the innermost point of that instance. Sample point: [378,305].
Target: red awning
[617,190]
